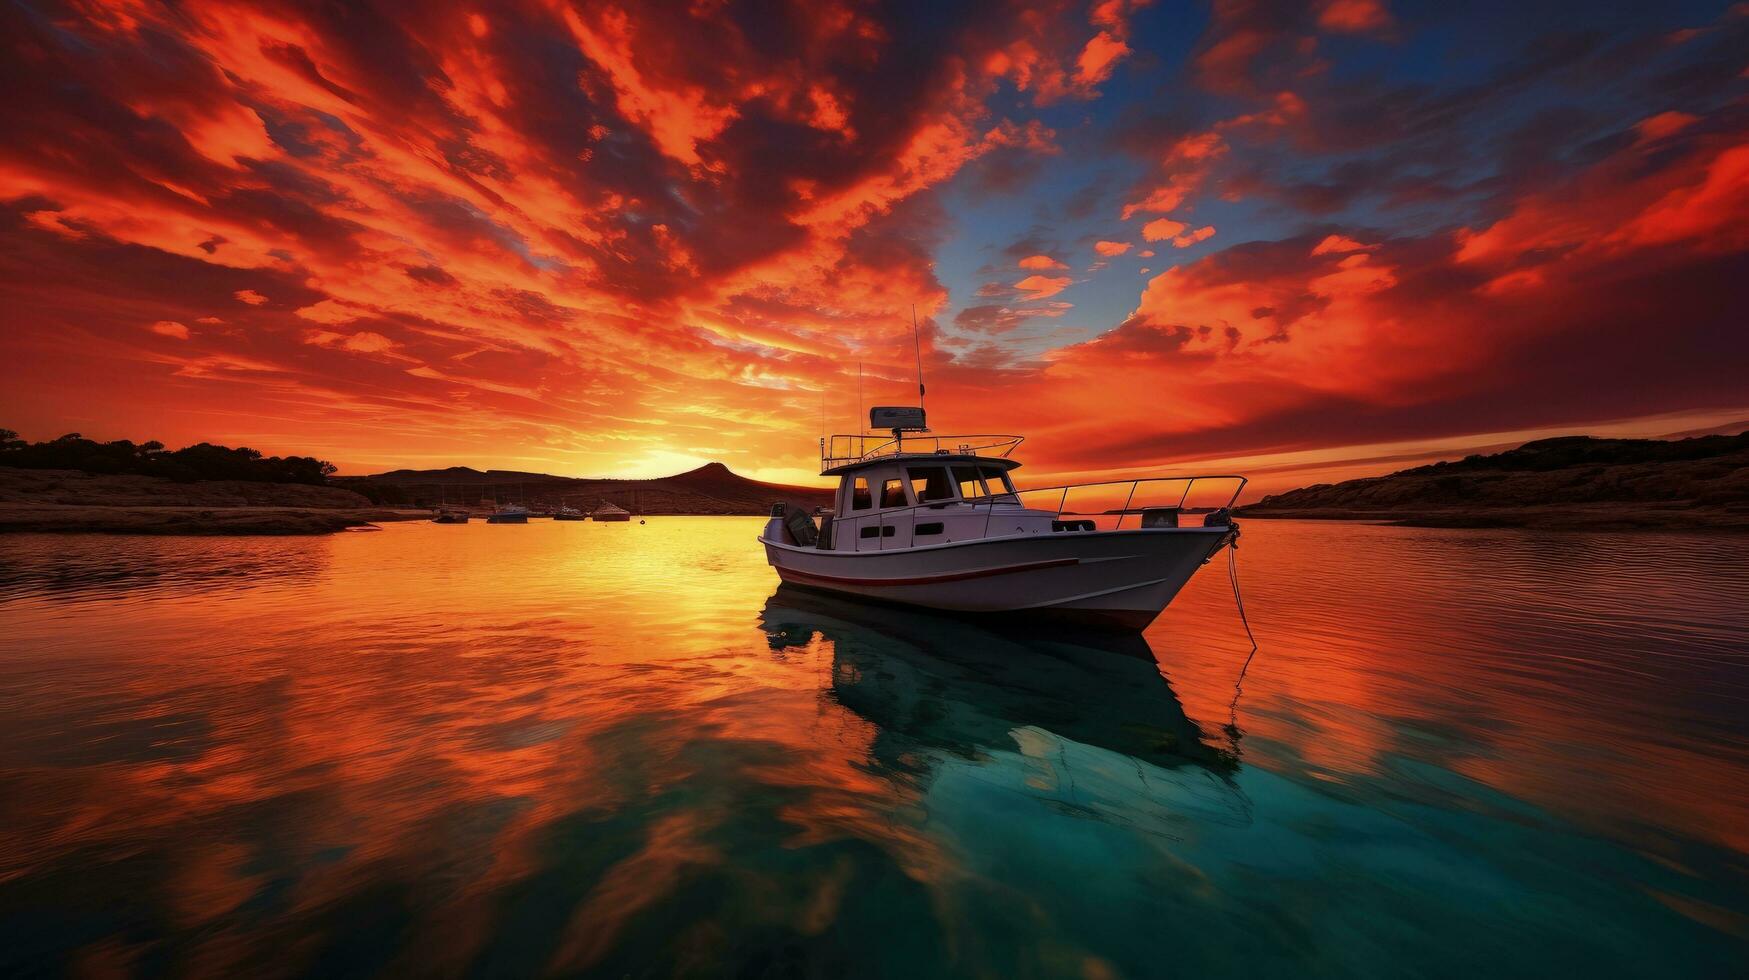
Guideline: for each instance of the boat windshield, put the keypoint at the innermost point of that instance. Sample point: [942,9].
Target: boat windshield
[970,486]
[998,485]
[930,483]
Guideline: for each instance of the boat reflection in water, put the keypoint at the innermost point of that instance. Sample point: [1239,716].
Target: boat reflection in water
[1085,724]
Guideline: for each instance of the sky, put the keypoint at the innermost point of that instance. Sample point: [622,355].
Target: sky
[1305,241]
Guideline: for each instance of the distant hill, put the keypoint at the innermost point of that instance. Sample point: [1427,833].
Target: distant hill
[1566,482]
[710,489]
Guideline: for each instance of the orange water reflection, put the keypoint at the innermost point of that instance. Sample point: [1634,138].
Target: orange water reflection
[1599,676]
[562,746]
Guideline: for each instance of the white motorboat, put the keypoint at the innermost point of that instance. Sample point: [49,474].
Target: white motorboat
[936,521]
[508,514]
[569,513]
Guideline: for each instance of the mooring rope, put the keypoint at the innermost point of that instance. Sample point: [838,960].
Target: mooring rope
[1239,602]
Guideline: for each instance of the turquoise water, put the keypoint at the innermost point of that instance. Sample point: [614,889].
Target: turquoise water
[621,750]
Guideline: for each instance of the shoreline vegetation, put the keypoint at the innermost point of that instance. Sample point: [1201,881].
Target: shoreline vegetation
[1564,483]
[73,484]
[71,501]
[76,485]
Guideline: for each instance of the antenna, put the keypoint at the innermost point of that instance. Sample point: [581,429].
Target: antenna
[861,420]
[917,340]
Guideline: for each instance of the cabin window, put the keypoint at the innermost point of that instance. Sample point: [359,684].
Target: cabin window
[893,493]
[930,485]
[877,531]
[933,527]
[971,487]
[997,480]
[859,495]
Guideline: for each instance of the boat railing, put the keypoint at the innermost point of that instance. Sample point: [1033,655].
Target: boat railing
[1081,502]
[841,450]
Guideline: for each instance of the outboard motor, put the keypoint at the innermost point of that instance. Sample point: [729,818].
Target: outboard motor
[791,527]
[774,529]
[801,529]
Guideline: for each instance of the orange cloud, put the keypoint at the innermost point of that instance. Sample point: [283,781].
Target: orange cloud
[1098,58]
[1338,244]
[1040,262]
[1192,237]
[1161,229]
[1109,249]
[170,328]
[1039,287]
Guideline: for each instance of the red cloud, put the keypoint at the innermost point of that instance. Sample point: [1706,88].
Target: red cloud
[1353,16]
[400,211]
[1187,164]
[413,213]
[1040,60]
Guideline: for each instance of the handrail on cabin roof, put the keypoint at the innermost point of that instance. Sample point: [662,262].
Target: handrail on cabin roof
[857,449]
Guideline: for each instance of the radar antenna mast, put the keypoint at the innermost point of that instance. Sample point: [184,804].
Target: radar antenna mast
[917,342]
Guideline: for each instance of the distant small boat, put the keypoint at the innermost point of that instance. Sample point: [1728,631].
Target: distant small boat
[565,513]
[445,514]
[508,514]
[608,512]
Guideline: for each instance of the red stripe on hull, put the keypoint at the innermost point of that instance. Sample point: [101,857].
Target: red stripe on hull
[929,579]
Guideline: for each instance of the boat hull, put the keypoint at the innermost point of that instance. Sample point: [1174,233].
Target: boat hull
[1117,580]
[612,518]
[507,519]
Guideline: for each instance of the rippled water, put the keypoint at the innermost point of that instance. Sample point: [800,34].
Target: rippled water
[620,750]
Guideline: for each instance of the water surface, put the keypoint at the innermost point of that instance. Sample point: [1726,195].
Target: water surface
[620,750]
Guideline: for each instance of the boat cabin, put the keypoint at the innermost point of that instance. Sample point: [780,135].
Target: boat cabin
[908,500]
[901,492]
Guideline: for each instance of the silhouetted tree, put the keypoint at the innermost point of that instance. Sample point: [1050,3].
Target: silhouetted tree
[203,461]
